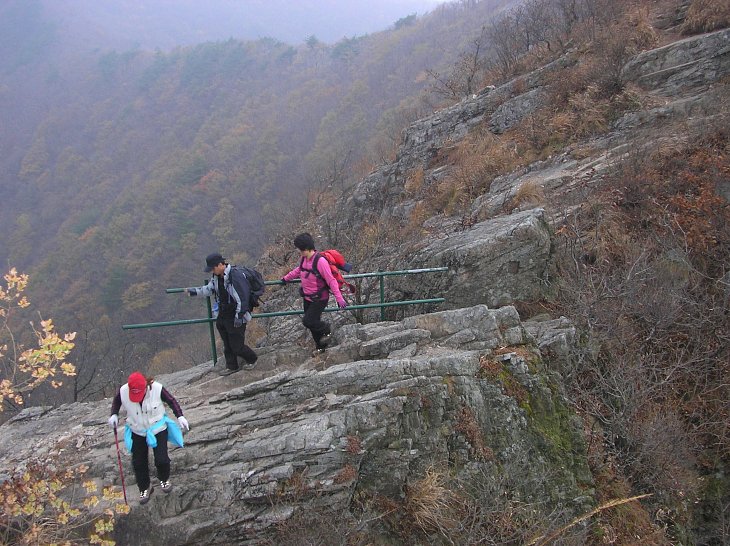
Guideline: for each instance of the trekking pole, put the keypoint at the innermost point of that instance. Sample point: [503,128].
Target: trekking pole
[119,459]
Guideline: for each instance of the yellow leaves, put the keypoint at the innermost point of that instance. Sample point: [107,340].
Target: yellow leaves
[92,501]
[95,539]
[32,501]
[15,282]
[31,504]
[10,498]
[37,364]
[109,493]
[104,526]
[7,391]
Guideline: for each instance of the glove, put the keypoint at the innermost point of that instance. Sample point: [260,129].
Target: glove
[113,421]
[342,304]
[241,319]
[183,423]
[192,291]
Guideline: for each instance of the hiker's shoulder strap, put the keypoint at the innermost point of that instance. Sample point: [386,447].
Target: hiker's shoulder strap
[239,281]
[314,269]
[315,260]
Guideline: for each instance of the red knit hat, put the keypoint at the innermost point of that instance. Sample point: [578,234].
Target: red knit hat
[137,386]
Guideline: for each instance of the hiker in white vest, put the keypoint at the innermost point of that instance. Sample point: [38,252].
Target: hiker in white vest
[147,424]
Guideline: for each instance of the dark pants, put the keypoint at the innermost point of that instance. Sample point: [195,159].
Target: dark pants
[234,343]
[140,451]
[313,320]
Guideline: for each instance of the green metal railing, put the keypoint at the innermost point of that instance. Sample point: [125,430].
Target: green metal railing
[382,304]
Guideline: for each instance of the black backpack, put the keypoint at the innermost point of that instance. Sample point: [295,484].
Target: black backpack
[256,282]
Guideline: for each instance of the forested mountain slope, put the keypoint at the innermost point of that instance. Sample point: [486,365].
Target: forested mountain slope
[121,170]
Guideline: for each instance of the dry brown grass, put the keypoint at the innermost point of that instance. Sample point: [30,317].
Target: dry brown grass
[354,445]
[414,181]
[467,425]
[478,160]
[419,214]
[549,538]
[495,372]
[346,474]
[431,504]
[706,16]
[642,272]
[609,241]
[296,487]
[530,192]
[583,99]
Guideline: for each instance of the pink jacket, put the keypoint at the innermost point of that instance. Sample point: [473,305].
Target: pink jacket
[311,285]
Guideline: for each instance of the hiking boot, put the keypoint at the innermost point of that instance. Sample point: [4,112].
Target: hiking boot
[249,365]
[229,371]
[145,495]
[166,486]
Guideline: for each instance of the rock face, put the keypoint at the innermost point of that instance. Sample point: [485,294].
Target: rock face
[502,253]
[688,64]
[496,262]
[463,389]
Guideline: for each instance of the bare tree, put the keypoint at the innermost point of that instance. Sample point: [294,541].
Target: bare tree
[504,41]
[466,74]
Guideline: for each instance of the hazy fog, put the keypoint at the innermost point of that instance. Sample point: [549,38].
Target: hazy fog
[167,23]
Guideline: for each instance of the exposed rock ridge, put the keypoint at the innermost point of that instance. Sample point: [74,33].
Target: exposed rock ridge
[502,253]
[257,453]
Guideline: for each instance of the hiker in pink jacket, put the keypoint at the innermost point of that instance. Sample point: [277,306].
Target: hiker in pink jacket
[317,283]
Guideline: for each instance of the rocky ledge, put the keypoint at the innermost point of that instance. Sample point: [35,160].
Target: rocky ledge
[463,390]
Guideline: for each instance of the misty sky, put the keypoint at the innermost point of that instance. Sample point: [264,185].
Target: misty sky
[149,24]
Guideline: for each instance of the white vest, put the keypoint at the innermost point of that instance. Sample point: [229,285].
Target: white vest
[142,415]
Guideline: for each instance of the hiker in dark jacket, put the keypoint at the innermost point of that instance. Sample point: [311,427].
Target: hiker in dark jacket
[148,425]
[315,289]
[232,293]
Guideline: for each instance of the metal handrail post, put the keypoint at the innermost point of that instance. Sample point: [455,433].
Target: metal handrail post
[382,294]
[212,333]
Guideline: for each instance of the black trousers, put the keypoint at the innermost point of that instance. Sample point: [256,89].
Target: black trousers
[140,451]
[313,320]
[234,343]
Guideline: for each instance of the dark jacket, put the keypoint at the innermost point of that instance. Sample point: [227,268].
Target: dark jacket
[237,287]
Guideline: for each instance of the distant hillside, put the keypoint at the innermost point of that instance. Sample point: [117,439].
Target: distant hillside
[168,23]
[122,169]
